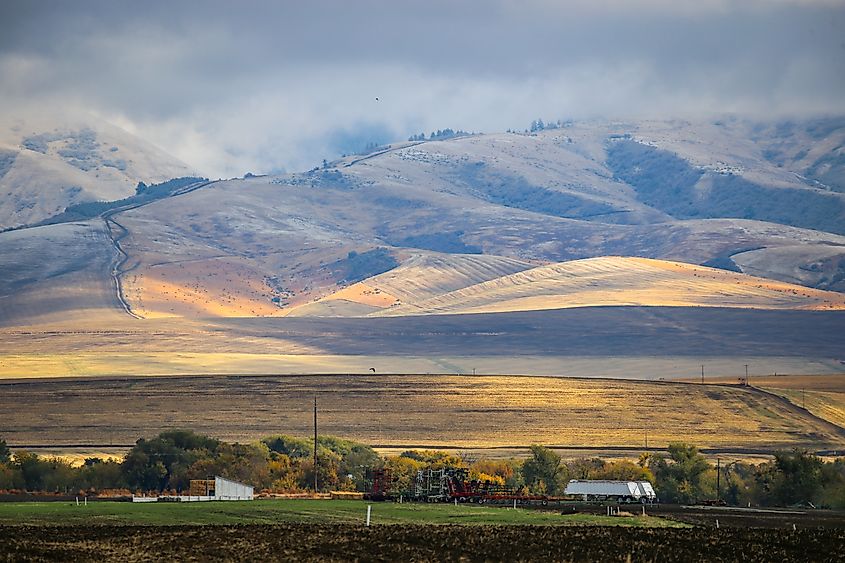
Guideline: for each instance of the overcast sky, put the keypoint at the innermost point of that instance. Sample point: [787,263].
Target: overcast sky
[231,87]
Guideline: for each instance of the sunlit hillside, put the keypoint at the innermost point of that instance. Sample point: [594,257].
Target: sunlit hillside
[594,282]
[417,226]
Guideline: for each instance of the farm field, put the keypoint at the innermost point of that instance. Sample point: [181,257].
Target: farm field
[834,383]
[298,510]
[822,395]
[116,364]
[622,342]
[473,412]
[414,542]
[824,404]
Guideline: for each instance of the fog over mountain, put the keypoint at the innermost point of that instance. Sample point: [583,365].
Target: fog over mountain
[267,86]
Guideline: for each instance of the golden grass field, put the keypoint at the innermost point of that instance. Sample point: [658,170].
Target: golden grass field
[173,363]
[620,342]
[827,405]
[399,411]
[821,395]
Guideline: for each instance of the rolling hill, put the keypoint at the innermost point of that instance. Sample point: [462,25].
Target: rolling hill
[453,254]
[605,281]
[589,190]
[48,162]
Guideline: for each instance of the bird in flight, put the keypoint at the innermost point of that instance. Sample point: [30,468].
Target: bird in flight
[376,98]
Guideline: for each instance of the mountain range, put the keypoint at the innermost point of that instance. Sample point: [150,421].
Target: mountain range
[722,214]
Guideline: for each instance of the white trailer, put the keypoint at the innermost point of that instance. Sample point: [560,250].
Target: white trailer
[621,491]
[220,489]
[224,489]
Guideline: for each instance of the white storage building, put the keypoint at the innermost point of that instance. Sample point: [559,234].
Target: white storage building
[596,489]
[203,490]
[224,489]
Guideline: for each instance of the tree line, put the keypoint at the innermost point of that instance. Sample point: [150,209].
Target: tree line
[440,135]
[283,463]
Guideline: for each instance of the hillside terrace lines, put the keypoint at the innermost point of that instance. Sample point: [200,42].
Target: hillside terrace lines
[621,281]
[432,275]
[422,276]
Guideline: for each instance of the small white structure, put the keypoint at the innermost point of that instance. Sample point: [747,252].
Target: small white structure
[220,489]
[224,489]
[596,489]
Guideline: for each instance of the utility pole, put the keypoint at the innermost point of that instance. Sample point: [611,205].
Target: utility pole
[803,400]
[747,383]
[702,374]
[718,479]
[315,444]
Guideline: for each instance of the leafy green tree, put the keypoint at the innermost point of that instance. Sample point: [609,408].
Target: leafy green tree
[544,471]
[623,470]
[739,484]
[59,475]
[5,452]
[98,474]
[247,463]
[356,462]
[833,484]
[433,458]
[508,470]
[337,458]
[32,470]
[403,471]
[328,463]
[683,477]
[10,477]
[795,477]
[290,446]
[586,468]
[163,462]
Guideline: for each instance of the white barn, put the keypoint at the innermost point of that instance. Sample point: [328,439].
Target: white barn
[597,489]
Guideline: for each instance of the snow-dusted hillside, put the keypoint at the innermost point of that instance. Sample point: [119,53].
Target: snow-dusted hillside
[438,217]
[49,162]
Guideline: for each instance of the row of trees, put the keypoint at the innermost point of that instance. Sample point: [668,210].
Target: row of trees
[685,476]
[285,463]
[439,135]
[540,125]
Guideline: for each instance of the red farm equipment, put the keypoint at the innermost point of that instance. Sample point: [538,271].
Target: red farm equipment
[450,484]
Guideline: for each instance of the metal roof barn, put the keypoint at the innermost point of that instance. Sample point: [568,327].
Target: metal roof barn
[601,488]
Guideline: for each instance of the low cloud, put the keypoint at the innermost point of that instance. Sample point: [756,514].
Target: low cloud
[231,88]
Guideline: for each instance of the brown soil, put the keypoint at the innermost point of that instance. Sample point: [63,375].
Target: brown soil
[329,542]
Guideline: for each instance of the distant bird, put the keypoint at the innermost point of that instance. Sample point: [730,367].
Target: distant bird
[376,99]
[373,369]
